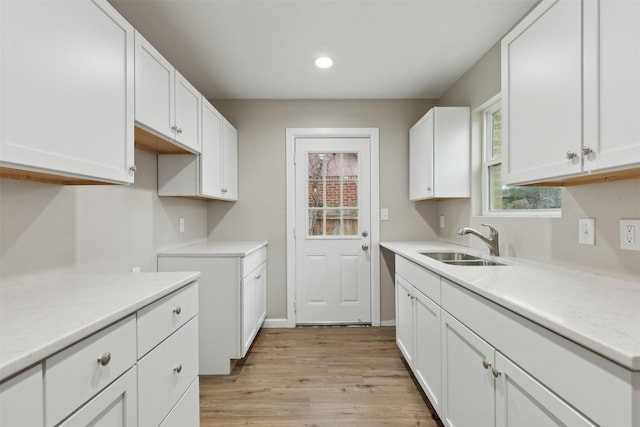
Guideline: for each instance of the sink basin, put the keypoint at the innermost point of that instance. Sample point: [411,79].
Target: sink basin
[460,258]
[450,256]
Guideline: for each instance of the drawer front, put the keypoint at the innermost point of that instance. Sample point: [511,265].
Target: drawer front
[165,374]
[422,279]
[162,318]
[76,374]
[251,262]
[574,373]
[21,399]
[187,410]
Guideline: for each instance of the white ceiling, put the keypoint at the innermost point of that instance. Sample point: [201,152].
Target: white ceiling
[264,49]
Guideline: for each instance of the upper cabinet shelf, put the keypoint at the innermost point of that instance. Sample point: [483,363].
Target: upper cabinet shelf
[439,154]
[67,93]
[571,93]
[167,105]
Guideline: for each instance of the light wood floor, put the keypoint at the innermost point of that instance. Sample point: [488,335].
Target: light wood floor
[325,376]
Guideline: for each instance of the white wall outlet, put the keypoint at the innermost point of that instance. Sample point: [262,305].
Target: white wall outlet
[181,224]
[630,234]
[135,269]
[587,231]
[441,221]
[384,214]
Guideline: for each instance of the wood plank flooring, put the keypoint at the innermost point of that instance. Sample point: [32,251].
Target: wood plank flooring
[324,376]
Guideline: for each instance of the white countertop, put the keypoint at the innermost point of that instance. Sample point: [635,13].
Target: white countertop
[215,249]
[598,312]
[39,317]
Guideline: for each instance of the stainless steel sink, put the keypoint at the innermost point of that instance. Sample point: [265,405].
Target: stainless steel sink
[461,258]
[450,256]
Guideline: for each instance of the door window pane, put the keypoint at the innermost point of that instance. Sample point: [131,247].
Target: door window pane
[333,191]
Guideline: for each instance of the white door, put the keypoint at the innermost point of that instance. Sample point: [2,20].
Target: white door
[332,223]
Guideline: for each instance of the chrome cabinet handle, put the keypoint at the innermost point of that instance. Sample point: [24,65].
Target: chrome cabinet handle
[365,247]
[485,363]
[178,368]
[495,372]
[571,154]
[105,359]
[177,310]
[586,150]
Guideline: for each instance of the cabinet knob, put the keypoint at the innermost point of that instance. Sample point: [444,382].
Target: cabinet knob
[132,169]
[224,190]
[429,189]
[586,150]
[105,359]
[179,130]
[495,372]
[258,276]
[174,128]
[485,363]
[178,368]
[177,310]
[571,154]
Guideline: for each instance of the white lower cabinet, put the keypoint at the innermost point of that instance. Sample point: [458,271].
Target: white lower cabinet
[187,410]
[22,399]
[482,365]
[115,406]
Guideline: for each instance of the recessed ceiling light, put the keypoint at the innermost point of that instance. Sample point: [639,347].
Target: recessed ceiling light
[323,62]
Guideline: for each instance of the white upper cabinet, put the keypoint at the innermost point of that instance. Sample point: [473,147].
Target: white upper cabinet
[167,105]
[213,174]
[571,92]
[67,89]
[439,154]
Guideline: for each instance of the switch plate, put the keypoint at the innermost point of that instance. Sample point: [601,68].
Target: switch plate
[441,221]
[181,224]
[587,231]
[384,214]
[630,234]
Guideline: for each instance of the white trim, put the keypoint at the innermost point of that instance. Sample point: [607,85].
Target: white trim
[388,323]
[374,247]
[277,323]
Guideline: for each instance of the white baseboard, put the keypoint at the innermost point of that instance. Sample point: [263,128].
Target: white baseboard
[278,323]
[388,323]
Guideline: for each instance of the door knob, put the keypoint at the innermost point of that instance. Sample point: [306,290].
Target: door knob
[365,247]
[365,233]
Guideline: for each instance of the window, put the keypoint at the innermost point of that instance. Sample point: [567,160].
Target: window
[499,198]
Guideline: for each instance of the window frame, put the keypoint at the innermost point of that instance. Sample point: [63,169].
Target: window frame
[488,160]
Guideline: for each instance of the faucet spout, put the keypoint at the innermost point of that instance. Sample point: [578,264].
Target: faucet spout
[491,241]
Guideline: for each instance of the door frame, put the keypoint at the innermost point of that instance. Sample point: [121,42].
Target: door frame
[373,135]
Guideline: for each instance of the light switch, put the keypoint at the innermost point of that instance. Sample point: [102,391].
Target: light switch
[384,214]
[587,231]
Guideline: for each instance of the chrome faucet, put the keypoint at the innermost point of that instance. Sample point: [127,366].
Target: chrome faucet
[491,241]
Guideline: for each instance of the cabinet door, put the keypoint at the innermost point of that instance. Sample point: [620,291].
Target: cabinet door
[426,365]
[542,93]
[211,155]
[22,399]
[115,406]
[155,90]
[230,162]
[522,401]
[467,381]
[67,89]
[404,318]
[187,410]
[421,158]
[187,105]
[612,83]
[253,305]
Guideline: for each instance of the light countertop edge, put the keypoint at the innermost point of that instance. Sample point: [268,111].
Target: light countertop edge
[22,301]
[209,248]
[566,301]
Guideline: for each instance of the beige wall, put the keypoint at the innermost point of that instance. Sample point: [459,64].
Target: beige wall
[47,228]
[260,210]
[552,240]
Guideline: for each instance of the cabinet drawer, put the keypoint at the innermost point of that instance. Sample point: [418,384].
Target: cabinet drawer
[76,374]
[250,262]
[187,410]
[422,279]
[21,399]
[166,372]
[574,373]
[160,319]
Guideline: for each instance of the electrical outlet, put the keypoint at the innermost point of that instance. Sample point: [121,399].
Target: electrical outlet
[630,234]
[181,224]
[441,221]
[135,269]
[384,214]
[587,231]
